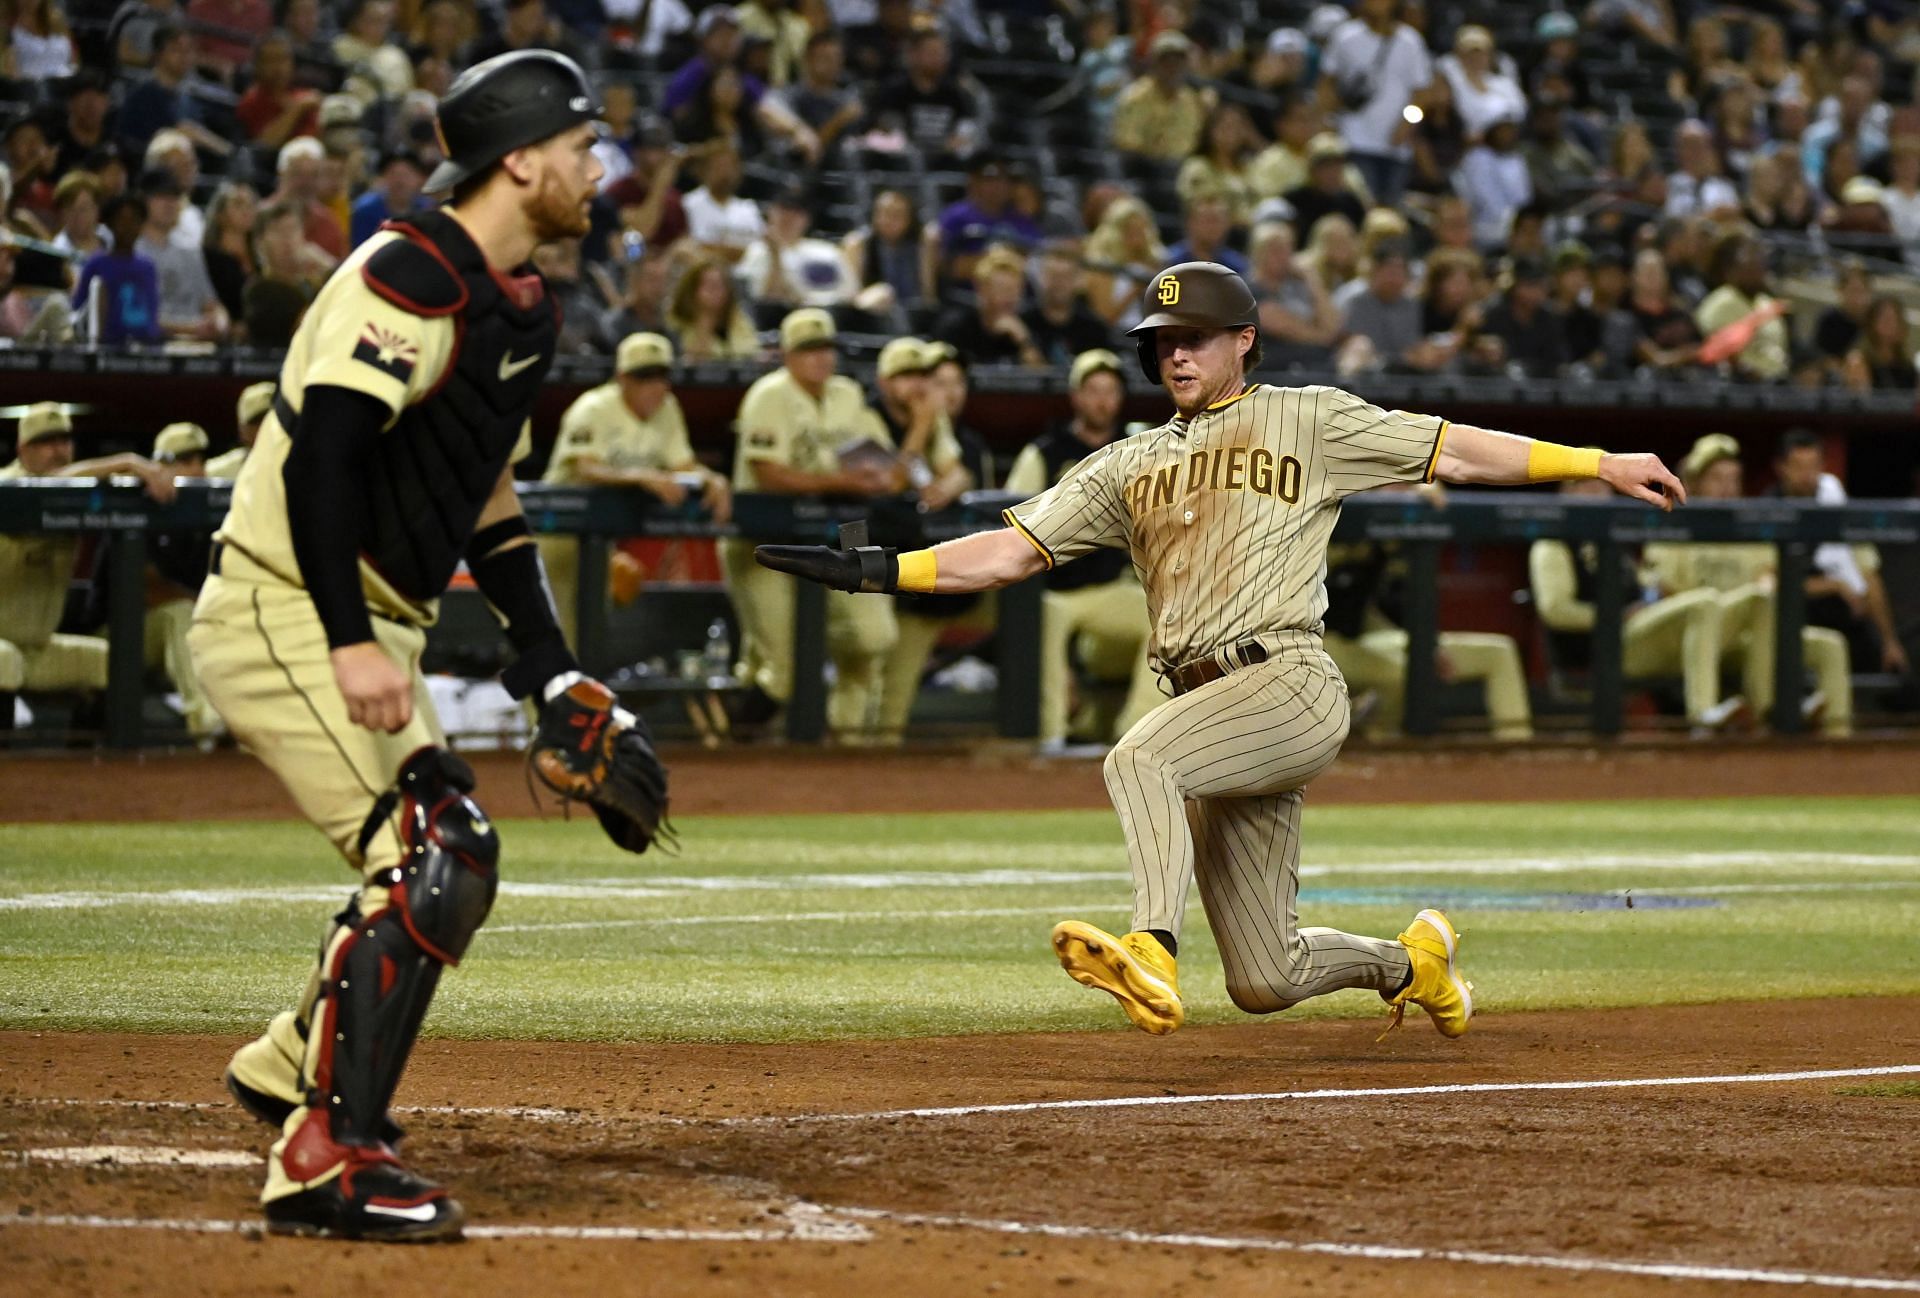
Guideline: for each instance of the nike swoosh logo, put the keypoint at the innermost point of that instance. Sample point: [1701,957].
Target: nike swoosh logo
[419,1212]
[510,367]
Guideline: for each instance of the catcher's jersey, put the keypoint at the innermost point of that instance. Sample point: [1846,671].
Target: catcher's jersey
[350,337]
[1228,514]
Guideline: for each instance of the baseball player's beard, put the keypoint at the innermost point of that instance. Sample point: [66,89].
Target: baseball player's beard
[1191,398]
[555,213]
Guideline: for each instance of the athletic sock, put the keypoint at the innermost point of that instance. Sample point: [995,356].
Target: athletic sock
[1165,939]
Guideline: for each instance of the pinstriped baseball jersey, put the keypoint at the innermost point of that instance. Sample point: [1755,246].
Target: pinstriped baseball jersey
[1228,514]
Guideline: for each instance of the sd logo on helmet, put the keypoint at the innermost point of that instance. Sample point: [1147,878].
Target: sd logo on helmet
[1193,295]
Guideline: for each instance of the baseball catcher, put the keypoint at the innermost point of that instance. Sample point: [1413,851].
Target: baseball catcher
[384,462]
[1227,509]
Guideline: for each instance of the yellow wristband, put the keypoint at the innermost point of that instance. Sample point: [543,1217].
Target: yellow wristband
[1548,462]
[917,571]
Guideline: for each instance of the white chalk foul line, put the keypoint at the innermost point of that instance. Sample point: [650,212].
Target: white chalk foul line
[806,1223]
[799,917]
[1102,863]
[1802,885]
[137,1156]
[1042,1106]
[844,1225]
[1395,1253]
[954,914]
[1333,1093]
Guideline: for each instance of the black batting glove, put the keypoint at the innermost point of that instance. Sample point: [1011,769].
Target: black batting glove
[867,569]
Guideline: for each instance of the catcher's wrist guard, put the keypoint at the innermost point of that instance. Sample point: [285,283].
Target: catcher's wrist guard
[564,681]
[537,668]
[587,748]
[865,569]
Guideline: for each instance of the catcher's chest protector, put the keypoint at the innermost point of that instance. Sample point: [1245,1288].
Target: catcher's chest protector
[436,467]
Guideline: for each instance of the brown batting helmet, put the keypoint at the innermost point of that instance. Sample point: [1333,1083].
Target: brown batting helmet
[1192,295]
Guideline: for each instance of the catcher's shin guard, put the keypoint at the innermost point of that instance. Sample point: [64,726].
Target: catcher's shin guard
[267,1076]
[382,968]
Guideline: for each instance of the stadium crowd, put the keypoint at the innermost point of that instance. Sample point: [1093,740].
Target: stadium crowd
[1640,188]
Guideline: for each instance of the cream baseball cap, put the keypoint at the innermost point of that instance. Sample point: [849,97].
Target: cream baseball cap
[1089,363]
[906,356]
[45,419]
[643,353]
[254,402]
[1707,452]
[177,441]
[807,327]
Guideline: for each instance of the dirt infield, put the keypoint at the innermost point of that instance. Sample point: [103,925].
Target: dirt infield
[232,786]
[1697,1158]
[765,1170]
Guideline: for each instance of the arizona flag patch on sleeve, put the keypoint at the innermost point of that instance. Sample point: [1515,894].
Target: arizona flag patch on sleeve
[387,352]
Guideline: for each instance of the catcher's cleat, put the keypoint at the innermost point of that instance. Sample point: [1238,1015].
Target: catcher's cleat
[1436,986]
[1135,970]
[353,1192]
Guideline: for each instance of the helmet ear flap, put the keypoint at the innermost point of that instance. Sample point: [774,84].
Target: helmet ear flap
[1149,356]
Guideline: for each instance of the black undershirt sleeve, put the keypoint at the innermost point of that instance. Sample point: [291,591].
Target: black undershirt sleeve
[327,485]
[327,489]
[506,567]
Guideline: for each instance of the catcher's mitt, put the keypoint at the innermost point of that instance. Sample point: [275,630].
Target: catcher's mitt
[589,749]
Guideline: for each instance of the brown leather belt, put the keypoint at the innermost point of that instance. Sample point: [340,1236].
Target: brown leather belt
[1204,671]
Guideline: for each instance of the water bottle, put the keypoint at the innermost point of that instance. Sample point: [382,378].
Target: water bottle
[718,657]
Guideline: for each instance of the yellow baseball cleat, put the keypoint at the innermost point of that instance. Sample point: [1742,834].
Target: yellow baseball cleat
[1437,987]
[1135,970]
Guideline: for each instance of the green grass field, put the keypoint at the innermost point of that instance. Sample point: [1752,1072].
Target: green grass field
[776,928]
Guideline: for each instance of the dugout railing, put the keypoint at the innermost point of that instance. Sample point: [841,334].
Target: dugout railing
[123,516]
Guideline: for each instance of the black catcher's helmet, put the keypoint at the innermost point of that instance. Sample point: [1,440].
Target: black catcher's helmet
[507,103]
